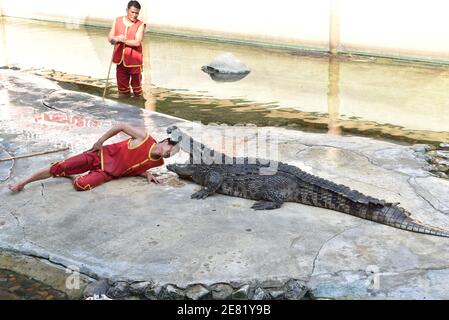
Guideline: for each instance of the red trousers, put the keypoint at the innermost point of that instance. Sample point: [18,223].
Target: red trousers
[127,75]
[87,161]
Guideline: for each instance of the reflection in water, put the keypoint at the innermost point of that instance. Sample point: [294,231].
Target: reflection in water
[336,94]
[4,51]
[333,96]
[227,77]
[150,101]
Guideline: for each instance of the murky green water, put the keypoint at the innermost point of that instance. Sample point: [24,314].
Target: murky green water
[14,286]
[344,95]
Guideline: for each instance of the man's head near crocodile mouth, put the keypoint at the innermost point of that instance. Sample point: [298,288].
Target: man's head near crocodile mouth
[182,170]
[168,147]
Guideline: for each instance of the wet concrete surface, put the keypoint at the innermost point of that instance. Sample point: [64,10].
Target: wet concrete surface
[128,230]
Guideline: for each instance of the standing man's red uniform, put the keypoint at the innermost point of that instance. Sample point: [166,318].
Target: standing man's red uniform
[127,35]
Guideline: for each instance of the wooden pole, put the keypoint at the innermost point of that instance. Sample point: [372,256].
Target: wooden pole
[110,65]
[32,154]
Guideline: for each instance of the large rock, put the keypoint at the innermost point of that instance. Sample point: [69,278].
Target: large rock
[197,292]
[294,290]
[171,292]
[242,293]
[226,68]
[261,294]
[153,292]
[221,291]
[139,288]
[96,288]
[118,290]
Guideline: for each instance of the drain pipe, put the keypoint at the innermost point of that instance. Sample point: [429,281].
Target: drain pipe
[334,26]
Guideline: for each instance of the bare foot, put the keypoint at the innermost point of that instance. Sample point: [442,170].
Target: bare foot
[16,187]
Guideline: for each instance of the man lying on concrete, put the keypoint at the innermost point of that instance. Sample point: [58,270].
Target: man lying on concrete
[131,157]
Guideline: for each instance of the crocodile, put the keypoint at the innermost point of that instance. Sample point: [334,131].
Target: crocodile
[254,179]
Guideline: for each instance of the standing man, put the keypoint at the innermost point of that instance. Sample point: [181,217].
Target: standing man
[127,35]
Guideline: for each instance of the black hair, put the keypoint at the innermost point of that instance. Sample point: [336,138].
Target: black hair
[170,141]
[134,4]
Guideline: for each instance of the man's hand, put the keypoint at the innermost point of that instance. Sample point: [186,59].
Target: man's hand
[153,178]
[119,38]
[96,147]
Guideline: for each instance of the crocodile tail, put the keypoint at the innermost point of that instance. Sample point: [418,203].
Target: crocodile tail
[399,218]
[345,192]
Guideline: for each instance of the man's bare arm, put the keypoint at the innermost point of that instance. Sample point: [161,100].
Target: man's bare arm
[139,37]
[111,38]
[135,133]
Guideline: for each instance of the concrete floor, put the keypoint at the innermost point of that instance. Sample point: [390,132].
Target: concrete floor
[130,230]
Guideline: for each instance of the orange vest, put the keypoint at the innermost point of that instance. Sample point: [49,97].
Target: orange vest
[130,56]
[122,160]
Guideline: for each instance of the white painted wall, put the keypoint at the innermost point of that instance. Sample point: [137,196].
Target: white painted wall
[402,28]
[399,27]
[300,22]
[283,21]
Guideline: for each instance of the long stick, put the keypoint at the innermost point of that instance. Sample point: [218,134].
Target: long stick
[109,72]
[32,154]
[110,64]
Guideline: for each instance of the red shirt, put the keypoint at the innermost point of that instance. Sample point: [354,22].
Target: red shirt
[130,56]
[122,160]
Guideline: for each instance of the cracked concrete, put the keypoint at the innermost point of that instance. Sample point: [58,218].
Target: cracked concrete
[6,167]
[130,230]
[326,242]
[435,194]
[42,190]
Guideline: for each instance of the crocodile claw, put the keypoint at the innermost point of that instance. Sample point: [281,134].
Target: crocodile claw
[265,205]
[202,194]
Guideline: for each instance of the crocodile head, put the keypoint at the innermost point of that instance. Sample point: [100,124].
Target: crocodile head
[184,171]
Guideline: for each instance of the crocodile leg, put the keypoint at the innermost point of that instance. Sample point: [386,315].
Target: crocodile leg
[272,199]
[202,194]
[266,205]
[212,182]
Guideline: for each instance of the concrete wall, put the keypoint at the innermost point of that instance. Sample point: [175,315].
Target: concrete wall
[409,28]
[302,23]
[400,28]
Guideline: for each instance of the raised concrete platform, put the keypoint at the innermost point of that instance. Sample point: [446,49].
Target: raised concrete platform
[130,231]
